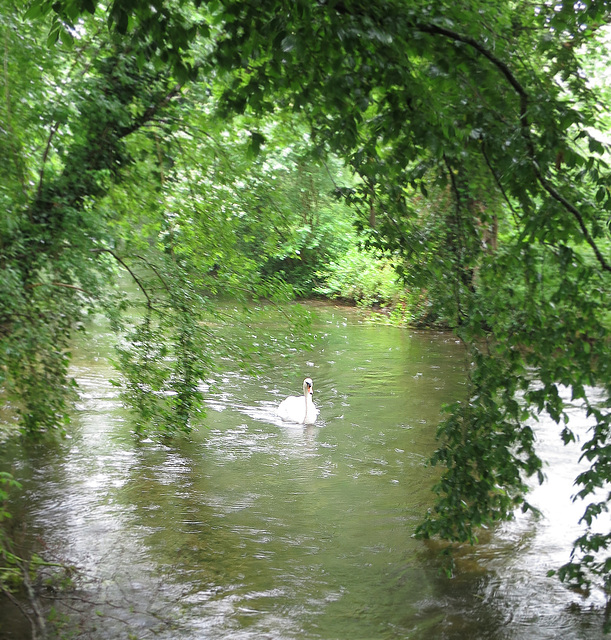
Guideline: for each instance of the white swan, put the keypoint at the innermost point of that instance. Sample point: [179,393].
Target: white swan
[300,409]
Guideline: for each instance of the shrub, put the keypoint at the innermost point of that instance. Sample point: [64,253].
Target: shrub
[361,277]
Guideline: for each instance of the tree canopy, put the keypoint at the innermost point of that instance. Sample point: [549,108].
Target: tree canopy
[474,133]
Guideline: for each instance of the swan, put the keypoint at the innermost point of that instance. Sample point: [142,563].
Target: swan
[299,409]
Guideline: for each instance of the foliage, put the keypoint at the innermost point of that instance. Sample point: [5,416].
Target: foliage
[104,179]
[272,213]
[361,277]
[492,120]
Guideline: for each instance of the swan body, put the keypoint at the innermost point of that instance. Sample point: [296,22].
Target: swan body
[300,409]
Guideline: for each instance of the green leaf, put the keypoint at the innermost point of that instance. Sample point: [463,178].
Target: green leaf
[37,9]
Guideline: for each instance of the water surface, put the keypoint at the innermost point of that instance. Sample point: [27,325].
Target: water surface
[255,528]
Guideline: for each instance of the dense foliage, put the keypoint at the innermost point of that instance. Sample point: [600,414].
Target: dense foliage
[115,167]
[479,171]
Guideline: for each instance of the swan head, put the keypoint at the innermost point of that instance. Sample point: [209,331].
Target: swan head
[308,386]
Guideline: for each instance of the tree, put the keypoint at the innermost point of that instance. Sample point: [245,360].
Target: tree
[493,116]
[57,249]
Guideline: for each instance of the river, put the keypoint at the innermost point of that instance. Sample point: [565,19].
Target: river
[256,529]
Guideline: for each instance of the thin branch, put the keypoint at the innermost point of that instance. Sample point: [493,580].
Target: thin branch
[326,166]
[153,268]
[39,618]
[499,184]
[45,155]
[570,207]
[149,303]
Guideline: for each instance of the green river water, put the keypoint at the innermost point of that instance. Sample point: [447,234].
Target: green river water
[255,529]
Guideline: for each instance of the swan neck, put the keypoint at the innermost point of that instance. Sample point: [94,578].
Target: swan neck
[308,403]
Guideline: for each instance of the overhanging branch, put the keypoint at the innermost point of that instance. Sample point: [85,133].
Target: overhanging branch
[149,303]
[525,127]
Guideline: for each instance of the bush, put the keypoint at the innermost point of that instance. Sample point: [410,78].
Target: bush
[359,276]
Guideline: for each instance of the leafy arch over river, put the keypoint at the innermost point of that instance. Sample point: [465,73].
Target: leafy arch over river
[473,134]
